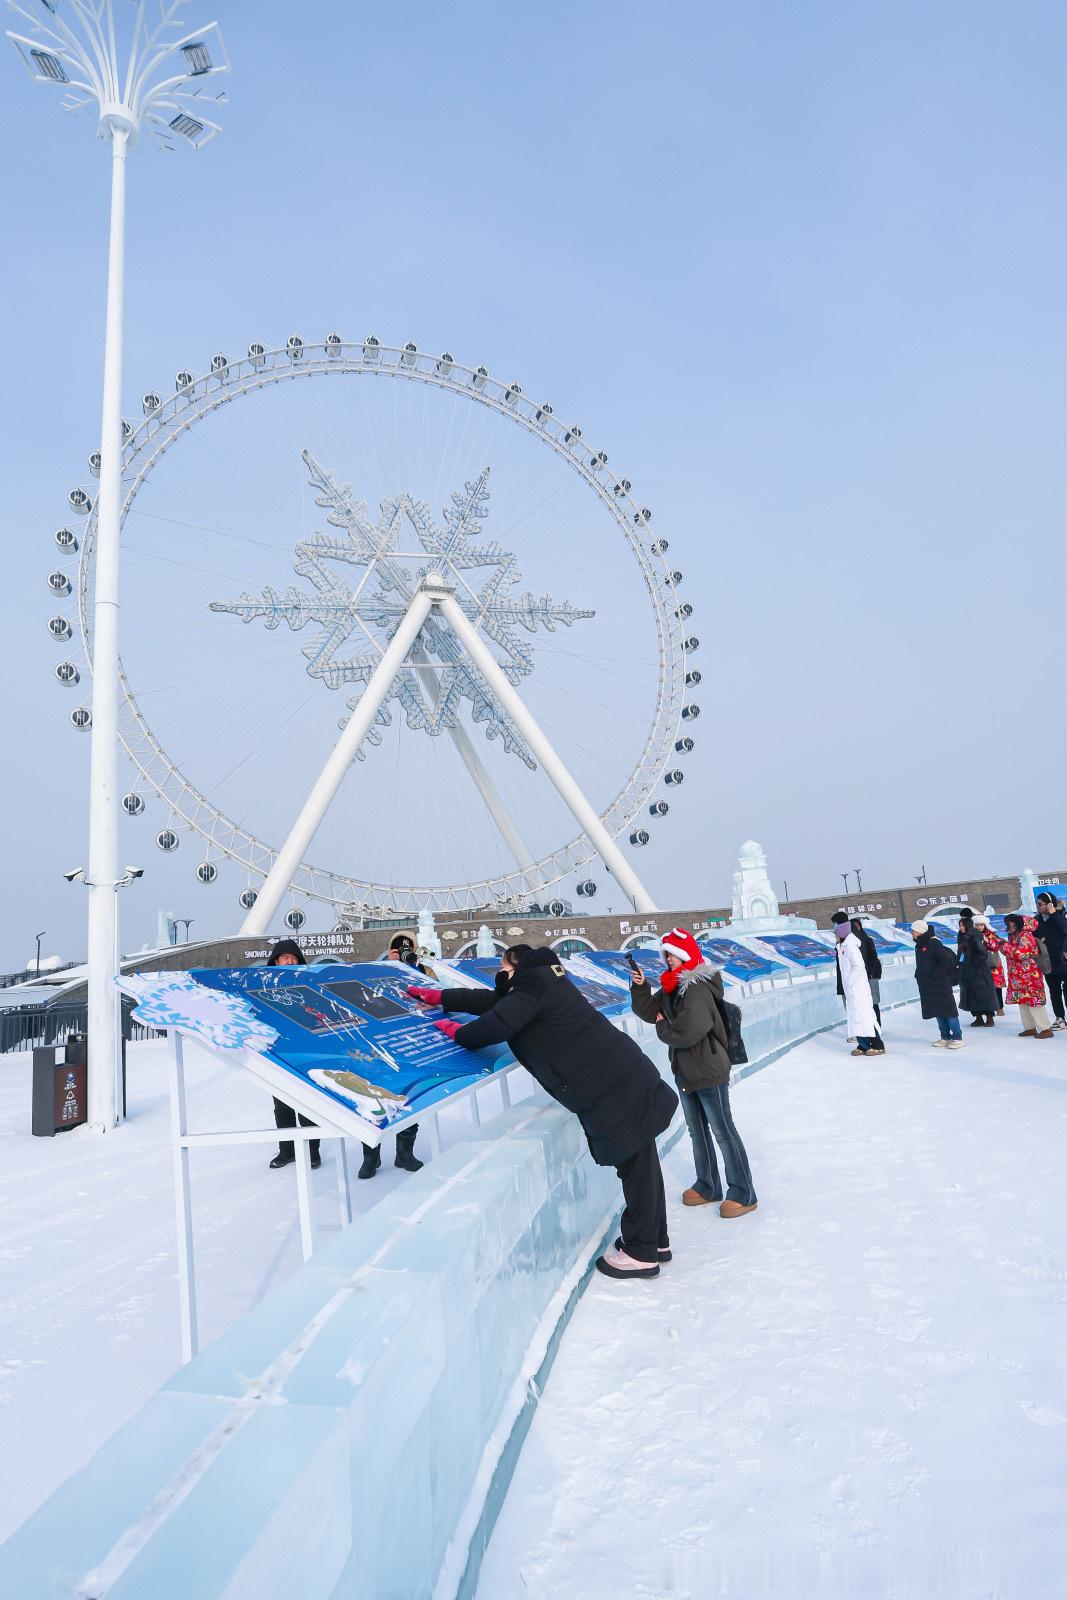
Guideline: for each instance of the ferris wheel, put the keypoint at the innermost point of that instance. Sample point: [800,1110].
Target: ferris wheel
[274,552]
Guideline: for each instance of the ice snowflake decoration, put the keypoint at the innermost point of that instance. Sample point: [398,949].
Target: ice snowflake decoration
[176,1000]
[436,679]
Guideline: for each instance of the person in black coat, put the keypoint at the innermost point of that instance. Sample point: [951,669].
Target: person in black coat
[401,948]
[591,1068]
[1052,931]
[978,992]
[935,975]
[287,953]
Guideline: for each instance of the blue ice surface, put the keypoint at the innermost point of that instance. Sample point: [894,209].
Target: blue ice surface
[337,1439]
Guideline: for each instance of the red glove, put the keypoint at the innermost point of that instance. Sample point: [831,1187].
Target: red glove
[429,997]
[447,1025]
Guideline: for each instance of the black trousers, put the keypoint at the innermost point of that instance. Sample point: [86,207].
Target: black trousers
[285,1117]
[644,1221]
[1057,991]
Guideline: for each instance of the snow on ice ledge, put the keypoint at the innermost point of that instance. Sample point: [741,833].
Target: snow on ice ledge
[355,1433]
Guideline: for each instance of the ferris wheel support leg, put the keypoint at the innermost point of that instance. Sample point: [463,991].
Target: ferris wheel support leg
[341,757]
[476,767]
[586,816]
[102,876]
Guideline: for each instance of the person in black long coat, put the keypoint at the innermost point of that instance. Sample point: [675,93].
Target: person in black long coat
[935,975]
[591,1068]
[978,992]
[1052,931]
[287,953]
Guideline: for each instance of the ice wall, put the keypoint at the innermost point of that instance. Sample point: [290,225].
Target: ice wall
[354,1434]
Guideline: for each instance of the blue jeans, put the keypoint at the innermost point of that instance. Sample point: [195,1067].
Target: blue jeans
[707,1112]
[949,1027]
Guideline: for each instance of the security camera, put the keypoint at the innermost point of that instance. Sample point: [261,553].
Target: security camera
[135,872]
[75,872]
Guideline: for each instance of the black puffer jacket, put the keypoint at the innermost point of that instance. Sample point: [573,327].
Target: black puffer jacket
[1052,931]
[584,1062]
[978,992]
[692,1025]
[935,974]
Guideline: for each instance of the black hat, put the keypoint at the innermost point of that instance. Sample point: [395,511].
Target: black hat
[286,947]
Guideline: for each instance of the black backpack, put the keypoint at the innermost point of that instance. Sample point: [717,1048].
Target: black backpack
[731,1021]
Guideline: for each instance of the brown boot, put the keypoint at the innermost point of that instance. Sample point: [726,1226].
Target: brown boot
[1028,1033]
[1046,1033]
[734,1208]
[692,1197]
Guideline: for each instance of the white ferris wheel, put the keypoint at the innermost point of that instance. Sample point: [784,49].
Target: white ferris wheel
[394,636]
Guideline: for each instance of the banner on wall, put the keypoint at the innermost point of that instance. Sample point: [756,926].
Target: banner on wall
[739,961]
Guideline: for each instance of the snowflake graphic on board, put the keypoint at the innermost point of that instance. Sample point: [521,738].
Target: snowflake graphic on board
[436,680]
[176,1000]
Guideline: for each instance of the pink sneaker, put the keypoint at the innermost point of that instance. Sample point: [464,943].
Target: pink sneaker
[617,1264]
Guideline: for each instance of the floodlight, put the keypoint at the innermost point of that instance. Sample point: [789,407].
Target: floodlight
[186,127]
[197,58]
[49,66]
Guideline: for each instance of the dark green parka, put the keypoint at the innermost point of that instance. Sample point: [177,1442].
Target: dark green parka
[692,1025]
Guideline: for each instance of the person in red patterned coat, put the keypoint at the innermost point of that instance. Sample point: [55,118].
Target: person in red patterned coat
[1026,983]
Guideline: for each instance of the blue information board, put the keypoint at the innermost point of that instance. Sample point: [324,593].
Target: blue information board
[738,960]
[649,960]
[883,945]
[356,1035]
[798,947]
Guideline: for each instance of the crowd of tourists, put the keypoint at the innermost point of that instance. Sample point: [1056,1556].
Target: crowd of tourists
[603,1076]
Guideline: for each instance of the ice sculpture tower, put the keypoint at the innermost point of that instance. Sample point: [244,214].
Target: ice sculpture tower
[755,904]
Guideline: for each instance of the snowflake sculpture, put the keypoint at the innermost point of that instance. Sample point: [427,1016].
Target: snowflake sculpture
[437,679]
[176,1000]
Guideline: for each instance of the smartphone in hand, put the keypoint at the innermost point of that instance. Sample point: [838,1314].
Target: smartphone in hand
[632,964]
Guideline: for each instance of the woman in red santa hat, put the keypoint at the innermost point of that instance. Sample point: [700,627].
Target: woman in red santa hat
[687,1015]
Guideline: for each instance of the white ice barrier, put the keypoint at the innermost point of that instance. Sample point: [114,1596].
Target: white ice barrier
[354,1434]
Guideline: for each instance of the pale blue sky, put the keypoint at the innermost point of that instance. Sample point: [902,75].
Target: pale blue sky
[802,266]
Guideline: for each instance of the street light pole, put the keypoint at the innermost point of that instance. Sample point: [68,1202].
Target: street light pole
[40,936]
[845,876]
[859,880]
[103,996]
[162,83]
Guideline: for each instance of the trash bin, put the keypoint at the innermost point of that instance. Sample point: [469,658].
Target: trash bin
[60,1092]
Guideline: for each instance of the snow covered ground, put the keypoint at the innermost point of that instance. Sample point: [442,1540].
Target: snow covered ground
[858,1390]
[88,1285]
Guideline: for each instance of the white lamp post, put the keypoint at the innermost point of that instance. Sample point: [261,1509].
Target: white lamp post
[164,83]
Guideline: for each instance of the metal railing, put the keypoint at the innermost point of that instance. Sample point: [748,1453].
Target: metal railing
[23,1027]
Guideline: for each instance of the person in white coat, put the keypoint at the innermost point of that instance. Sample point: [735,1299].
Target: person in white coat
[859,1003]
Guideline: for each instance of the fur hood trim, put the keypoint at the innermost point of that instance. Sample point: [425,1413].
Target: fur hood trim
[702,974]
